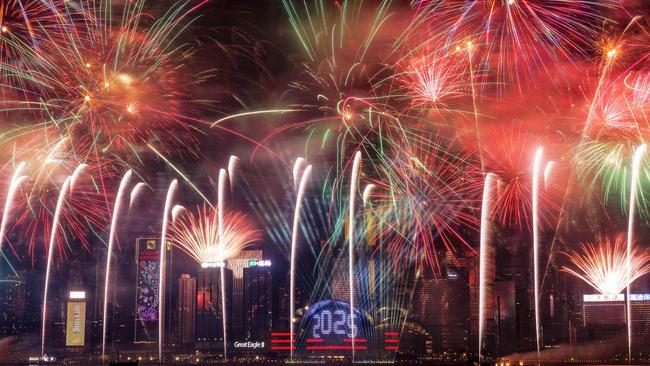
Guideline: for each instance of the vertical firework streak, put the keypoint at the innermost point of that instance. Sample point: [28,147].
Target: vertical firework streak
[366,193]
[223,175]
[67,186]
[135,192]
[483,253]
[294,239]
[233,163]
[109,253]
[353,192]
[636,163]
[161,281]
[16,180]
[470,47]
[298,167]
[536,177]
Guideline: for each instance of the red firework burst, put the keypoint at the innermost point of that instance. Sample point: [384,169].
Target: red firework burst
[509,153]
[517,38]
[85,208]
[425,199]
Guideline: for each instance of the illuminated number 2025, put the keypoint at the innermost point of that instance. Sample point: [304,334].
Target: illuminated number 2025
[337,323]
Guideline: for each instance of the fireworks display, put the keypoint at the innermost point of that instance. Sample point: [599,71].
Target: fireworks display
[198,235]
[603,265]
[436,137]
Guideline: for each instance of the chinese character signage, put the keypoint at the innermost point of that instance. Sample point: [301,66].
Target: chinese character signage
[602,298]
[259,263]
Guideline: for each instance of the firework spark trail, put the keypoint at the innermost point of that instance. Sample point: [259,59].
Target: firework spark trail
[233,164]
[221,197]
[110,76]
[638,156]
[596,100]
[16,180]
[603,266]
[366,193]
[353,192]
[177,211]
[184,176]
[611,56]
[65,189]
[424,197]
[112,237]
[470,60]
[486,223]
[135,192]
[519,40]
[300,192]
[161,281]
[198,235]
[199,239]
[548,172]
[76,174]
[434,80]
[298,168]
[536,178]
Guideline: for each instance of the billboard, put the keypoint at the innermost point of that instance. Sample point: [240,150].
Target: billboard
[328,326]
[147,296]
[75,329]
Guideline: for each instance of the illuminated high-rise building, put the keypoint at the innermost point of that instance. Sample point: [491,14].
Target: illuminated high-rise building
[97,305]
[186,309]
[209,309]
[258,301]
[505,314]
[440,305]
[473,278]
[237,266]
[13,298]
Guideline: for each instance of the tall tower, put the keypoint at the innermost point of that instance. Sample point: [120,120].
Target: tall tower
[209,310]
[473,277]
[186,308]
[237,265]
[96,314]
[13,299]
[258,301]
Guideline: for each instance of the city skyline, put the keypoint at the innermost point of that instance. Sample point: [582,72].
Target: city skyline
[390,181]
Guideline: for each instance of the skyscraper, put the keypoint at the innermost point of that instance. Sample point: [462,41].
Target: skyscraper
[473,277]
[237,266]
[13,298]
[186,309]
[96,312]
[505,311]
[440,305]
[258,302]
[209,309]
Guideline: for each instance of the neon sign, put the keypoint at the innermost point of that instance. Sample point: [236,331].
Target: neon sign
[329,325]
[259,263]
[337,322]
[613,298]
